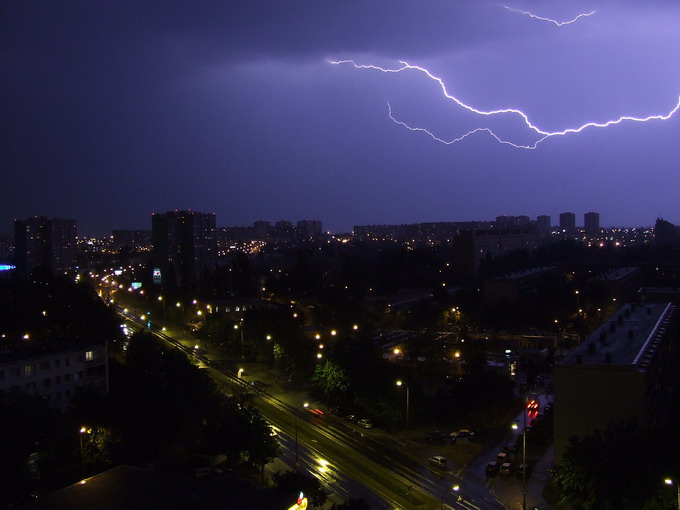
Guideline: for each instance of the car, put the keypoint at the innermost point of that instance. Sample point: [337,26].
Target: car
[492,468]
[506,468]
[365,423]
[510,448]
[503,457]
[533,405]
[437,461]
[465,433]
[435,435]
[351,418]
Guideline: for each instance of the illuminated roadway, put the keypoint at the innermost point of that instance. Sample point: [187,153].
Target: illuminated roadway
[347,461]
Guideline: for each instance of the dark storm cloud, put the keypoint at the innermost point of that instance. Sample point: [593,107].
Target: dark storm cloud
[111,110]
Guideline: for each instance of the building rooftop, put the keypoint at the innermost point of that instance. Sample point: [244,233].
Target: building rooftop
[524,273]
[126,487]
[628,338]
[46,349]
[616,273]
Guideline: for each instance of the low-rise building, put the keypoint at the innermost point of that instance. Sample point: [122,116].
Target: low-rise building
[55,370]
[626,370]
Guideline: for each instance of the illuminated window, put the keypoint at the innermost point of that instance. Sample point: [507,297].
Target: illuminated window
[28,369]
[89,355]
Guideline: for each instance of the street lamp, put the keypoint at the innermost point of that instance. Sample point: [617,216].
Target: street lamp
[454,488]
[524,456]
[400,383]
[240,328]
[83,430]
[276,359]
[670,481]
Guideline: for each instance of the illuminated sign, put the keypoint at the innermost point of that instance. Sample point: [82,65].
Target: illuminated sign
[156,275]
[118,272]
[6,267]
[136,285]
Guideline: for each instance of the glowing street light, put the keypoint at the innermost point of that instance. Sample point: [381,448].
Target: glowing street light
[670,481]
[408,397]
[83,430]
[454,488]
[240,328]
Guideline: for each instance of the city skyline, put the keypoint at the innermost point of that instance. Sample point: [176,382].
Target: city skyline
[504,219]
[114,111]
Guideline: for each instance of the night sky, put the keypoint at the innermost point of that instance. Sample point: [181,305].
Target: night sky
[111,110]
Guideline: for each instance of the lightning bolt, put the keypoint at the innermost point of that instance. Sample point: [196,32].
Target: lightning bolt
[541,133]
[557,23]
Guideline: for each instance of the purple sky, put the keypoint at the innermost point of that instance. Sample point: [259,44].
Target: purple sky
[111,110]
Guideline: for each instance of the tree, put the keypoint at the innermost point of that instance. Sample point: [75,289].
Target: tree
[331,378]
[620,468]
[352,504]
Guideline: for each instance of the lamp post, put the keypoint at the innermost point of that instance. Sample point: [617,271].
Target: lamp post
[670,481]
[181,309]
[160,298]
[400,383]
[454,488]
[276,359]
[83,430]
[240,328]
[524,455]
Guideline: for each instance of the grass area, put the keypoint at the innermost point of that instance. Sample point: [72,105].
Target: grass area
[462,454]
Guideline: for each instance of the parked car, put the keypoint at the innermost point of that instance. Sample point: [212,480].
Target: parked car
[351,418]
[438,461]
[492,468]
[503,457]
[435,435]
[510,448]
[365,423]
[506,469]
[465,433]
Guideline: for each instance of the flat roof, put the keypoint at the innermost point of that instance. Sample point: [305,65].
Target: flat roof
[46,349]
[624,338]
[127,487]
[615,274]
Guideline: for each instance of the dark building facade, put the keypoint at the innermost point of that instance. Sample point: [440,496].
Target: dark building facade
[184,247]
[568,222]
[543,223]
[591,223]
[471,247]
[626,370]
[49,244]
[55,371]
